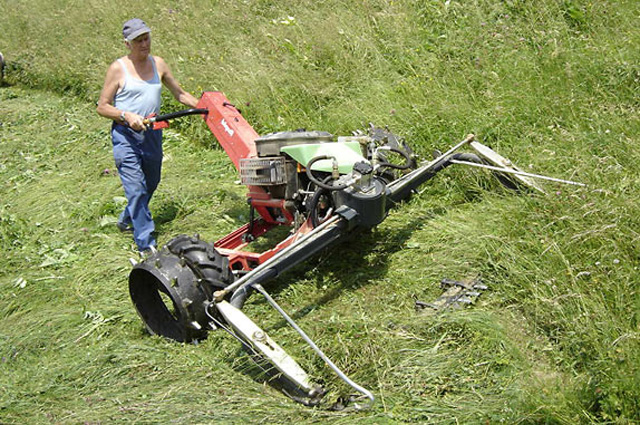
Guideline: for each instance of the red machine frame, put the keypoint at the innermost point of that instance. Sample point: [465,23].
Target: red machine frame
[237,137]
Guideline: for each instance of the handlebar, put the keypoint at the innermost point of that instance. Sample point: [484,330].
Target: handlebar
[178,114]
[160,121]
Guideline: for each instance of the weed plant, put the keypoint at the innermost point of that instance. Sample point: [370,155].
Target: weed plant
[551,84]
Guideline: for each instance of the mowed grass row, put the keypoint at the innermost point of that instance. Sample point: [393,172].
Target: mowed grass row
[551,85]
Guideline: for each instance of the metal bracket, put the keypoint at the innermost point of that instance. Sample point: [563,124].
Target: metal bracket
[258,338]
[456,293]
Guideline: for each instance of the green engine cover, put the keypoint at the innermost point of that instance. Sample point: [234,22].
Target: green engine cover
[347,154]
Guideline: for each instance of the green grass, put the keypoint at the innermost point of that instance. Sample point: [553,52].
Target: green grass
[551,84]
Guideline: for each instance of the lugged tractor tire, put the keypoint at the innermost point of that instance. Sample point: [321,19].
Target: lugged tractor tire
[172,289]
[208,264]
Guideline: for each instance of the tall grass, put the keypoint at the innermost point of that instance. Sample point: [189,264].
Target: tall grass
[551,84]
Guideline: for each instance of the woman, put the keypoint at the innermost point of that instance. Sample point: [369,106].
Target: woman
[131,92]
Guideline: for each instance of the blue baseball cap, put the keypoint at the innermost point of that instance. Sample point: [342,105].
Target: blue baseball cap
[134,28]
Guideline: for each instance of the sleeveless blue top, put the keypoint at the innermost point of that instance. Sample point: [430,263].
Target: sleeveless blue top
[139,96]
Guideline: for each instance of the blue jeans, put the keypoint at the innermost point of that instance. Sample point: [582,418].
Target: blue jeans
[138,157]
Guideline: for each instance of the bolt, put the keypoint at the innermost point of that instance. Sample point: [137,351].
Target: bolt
[259,336]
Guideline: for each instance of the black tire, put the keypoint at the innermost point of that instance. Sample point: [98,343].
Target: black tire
[172,289]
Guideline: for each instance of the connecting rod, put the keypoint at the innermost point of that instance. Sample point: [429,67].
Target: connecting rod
[300,250]
[517,172]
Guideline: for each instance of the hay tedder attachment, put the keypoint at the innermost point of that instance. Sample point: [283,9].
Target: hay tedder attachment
[322,189]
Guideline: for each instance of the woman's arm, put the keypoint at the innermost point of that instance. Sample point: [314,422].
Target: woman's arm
[109,90]
[172,84]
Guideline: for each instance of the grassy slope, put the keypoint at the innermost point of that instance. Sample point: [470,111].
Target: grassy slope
[547,83]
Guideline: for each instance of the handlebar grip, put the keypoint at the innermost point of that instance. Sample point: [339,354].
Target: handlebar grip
[178,114]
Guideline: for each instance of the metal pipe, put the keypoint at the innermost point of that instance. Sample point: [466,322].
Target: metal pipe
[315,348]
[520,173]
[401,187]
[468,139]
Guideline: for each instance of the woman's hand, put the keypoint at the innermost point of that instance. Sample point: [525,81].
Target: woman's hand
[135,121]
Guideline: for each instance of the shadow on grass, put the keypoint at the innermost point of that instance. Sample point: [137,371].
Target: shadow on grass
[354,254]
[167,212]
